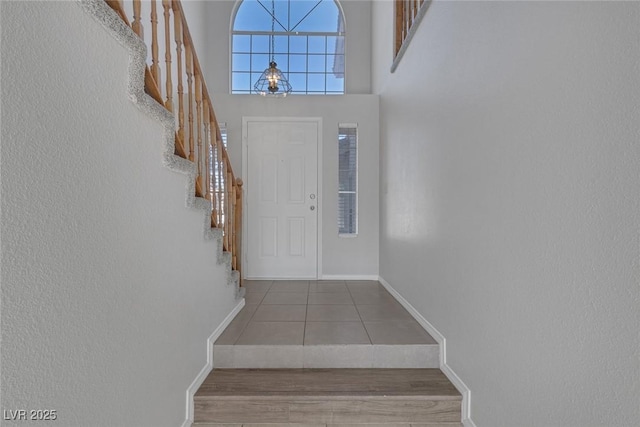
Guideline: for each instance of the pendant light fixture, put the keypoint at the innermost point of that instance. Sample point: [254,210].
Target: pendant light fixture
[272,82]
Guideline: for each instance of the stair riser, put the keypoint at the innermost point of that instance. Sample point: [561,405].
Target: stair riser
[342,411]
[352,356]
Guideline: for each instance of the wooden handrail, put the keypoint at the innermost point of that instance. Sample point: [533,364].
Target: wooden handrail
[198,137]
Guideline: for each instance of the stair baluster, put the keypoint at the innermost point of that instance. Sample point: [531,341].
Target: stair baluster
[207,150]
[166,4]
[136,25]
[155,68]
[178,39]
[200,188]
[189,67]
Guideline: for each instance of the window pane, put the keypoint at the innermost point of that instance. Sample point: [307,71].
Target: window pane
[223,133]
[252,17]
[240,81]
[298,44]
[334,84]
[242,62]
[298,81]
[298,63]
[336,44]
[259,62]
[316,63]
[254,78]
[335,64]
[281,44]
[316,83]
[260,44]
[316,44]
[241,43]
[282,11]
[324,18]
[347,213]
[347,180]
[283,62]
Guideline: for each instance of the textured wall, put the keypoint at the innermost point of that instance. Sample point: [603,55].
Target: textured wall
[510,201]
[340,256]
[109,290]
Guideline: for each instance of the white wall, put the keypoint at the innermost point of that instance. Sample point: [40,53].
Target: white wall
[510,212]
[218,16]
[109,290]
[340,256]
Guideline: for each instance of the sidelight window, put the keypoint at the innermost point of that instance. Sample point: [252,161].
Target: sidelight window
[348,180]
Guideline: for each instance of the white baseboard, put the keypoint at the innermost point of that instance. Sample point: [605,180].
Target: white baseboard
[349,277]
[195,385]
[444,367]
[323,277]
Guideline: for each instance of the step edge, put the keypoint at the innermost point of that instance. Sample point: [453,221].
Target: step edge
[297,397]
[329,345]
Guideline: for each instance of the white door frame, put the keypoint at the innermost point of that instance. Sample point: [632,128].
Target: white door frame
[245,163]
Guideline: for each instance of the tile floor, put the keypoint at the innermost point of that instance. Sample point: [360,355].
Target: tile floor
[321,313]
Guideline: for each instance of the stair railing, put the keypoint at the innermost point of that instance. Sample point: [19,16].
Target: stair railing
[198,136]
[408,14]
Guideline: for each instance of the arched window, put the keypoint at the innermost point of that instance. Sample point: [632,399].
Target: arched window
[308,44]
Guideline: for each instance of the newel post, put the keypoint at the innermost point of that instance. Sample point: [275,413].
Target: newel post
[238,223]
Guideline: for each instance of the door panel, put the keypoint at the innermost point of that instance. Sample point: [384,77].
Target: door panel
[282,185]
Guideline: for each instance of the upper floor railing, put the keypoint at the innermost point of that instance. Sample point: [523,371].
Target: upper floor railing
[174,78]
[408,14]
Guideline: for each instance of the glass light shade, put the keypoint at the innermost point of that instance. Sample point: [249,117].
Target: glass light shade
[272,82]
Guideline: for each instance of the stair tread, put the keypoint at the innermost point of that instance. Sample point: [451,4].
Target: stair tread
[330,384]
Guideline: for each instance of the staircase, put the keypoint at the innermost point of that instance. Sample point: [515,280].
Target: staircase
[303,353]
[336,353]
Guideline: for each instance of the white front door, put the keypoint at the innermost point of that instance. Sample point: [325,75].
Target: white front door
[282,198]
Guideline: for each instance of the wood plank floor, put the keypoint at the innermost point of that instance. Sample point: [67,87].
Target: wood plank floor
[328,382]
[327,397]
[331,425]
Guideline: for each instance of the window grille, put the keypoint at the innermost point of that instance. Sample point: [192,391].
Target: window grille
[309,45]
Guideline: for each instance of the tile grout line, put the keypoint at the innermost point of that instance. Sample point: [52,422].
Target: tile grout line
[306,311]
[358,311]
[252,315]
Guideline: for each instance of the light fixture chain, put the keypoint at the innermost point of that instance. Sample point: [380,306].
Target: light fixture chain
[273,23]
[272,81]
